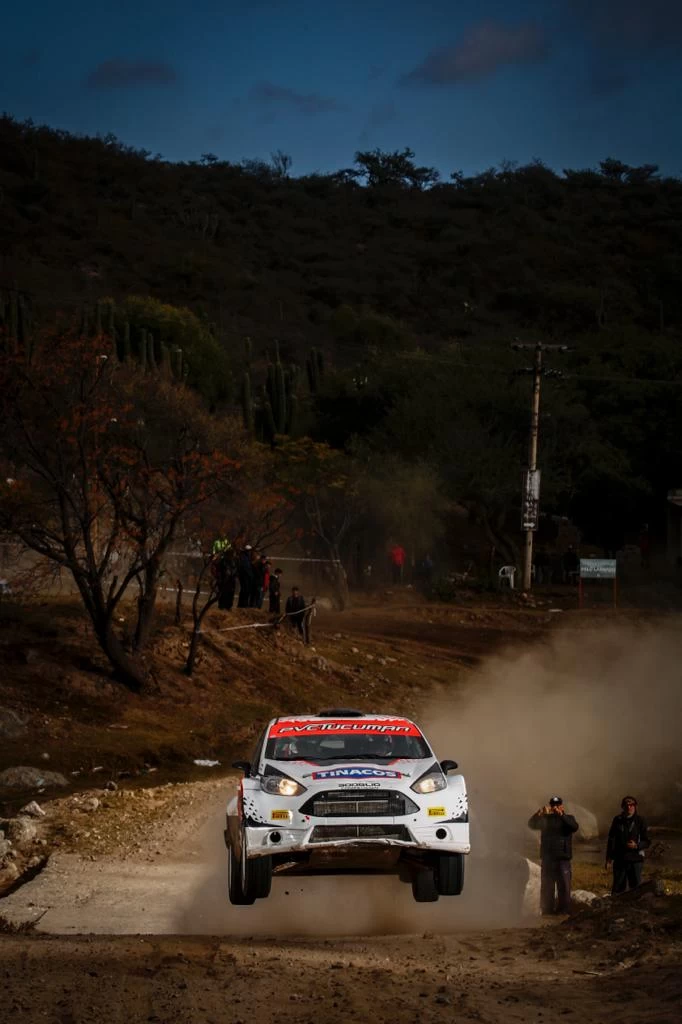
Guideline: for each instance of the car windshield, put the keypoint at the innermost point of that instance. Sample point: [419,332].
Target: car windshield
[346,747]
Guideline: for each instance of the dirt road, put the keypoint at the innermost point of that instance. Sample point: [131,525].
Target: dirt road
[147,934]
[129,921]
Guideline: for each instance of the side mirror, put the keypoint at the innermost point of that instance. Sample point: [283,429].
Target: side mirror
[448,766]
[243,766]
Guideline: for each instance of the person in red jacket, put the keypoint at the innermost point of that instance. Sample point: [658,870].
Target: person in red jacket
[397,557]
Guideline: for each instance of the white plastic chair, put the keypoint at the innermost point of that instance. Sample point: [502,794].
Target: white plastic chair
[507,574]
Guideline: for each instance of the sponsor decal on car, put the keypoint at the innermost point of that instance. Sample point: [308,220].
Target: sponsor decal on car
[436,812]
[359,785]
[280,815]
[388,726]
[357,772]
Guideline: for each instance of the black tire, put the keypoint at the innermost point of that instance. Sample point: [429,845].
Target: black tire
[259,877]
[238,898]
[424,886]
[450,874]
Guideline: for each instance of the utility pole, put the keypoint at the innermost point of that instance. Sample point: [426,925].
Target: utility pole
[531,483]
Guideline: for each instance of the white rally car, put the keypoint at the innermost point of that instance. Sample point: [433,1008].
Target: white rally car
[340,792]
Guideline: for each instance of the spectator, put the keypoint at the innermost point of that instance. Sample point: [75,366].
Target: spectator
[294,611]
[397,558]
[256,579]
[245,574]
[628,838]
[570,564]
[225,569]
[275,591]
[542,566]
[556,851]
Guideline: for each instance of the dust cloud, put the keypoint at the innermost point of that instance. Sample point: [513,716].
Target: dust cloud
[589,715]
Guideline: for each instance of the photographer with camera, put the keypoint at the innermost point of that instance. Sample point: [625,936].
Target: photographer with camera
[556,851]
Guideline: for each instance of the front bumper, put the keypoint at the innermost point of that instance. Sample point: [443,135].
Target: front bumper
[276,839]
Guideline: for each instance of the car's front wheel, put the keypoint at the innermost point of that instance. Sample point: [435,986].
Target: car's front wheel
[449,873]
[238,897]
[248,880]
[424,886]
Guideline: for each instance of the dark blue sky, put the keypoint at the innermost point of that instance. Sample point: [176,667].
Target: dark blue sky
[465,84]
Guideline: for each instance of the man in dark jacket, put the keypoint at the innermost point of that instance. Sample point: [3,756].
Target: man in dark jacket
[245,573]
[556,850]
[275,592]
[628,838]
[294,610]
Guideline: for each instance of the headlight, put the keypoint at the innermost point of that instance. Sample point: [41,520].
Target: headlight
[280,785]
[430,782]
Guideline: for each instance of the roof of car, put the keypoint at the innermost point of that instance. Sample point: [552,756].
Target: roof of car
[341,713]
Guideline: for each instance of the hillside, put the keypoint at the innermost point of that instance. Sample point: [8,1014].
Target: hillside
[259,253]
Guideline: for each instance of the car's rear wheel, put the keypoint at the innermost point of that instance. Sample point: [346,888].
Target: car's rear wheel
[449,875]
[424,886]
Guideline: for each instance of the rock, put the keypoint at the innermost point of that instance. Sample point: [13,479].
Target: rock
[90,805]
[321,664]
[44,757]
[110,786]
[354,650]
[5,847]
[531,895]
[22,831]
[32,810]
[8,873]
[11,726]
[583,898]
[22,777]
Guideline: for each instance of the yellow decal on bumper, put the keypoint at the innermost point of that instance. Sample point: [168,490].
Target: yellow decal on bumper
[436,812]
[280,815]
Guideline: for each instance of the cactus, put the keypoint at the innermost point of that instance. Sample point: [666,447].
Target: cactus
[313,372]
[293,415]
[247,352]
[280,399]
[247,405]
[164,361]
[13,323]
[176,355]
[269,425]
[151,352]
[143,350]
[111,325]
[126,342]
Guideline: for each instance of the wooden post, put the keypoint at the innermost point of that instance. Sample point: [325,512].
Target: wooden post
[178,603]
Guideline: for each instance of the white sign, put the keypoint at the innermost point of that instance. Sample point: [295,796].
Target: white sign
[597,568]
[530,502]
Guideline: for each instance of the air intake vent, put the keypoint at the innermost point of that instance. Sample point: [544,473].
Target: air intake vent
[328,833]
[359,803]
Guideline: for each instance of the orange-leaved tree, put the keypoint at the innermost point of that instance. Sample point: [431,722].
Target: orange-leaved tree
[101,467]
